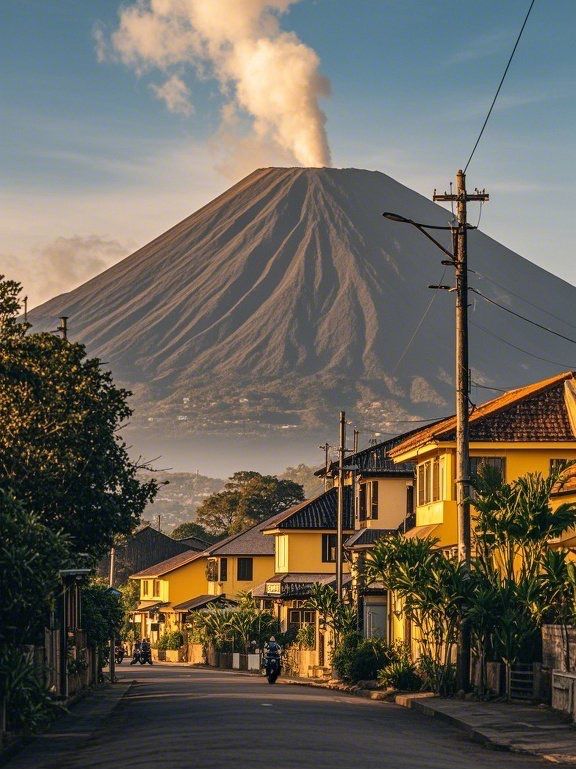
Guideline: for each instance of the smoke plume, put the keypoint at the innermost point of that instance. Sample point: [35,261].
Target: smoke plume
[61,265]
[263,71]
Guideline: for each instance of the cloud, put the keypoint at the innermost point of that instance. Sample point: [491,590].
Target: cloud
[175,94]
[61,265]
[268,74]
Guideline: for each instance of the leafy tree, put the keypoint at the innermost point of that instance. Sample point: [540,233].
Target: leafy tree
[31,554]
[102,613]
[248,497]
[193,529]
[304,475]
[60,451]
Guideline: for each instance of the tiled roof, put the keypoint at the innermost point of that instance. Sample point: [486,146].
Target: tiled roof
[366,537]
[164,567]
[536,412]
[249,542]
[374,459]
[317,513]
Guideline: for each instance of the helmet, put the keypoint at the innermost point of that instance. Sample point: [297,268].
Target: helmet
[272,639]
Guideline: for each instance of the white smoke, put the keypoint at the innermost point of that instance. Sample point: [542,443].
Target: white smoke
[175,94]
[61,265]
[263,71]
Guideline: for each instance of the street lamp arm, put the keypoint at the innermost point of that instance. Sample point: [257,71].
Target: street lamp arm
[420,228]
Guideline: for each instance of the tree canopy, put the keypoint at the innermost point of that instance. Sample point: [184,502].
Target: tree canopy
[60,452]
[193,529]
[248,497]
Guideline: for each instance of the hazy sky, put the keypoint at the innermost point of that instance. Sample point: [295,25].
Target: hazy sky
[114,130]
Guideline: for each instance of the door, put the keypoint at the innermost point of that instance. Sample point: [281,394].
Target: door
[375,620]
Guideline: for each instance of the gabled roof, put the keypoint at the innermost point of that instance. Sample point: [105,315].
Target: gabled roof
[537,412]
[375,459]
[317,513]
[164,567]
[366,538]
[200,601]
[249,542]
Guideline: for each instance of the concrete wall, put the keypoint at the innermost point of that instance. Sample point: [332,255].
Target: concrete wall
[554,645]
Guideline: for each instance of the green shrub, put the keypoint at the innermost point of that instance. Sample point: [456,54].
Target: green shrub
[438,678]
[171,641]
[400,674]
[306,636]
[359,659]
[29,705]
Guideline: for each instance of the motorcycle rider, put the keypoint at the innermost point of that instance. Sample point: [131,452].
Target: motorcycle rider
[273,651]
[136,653]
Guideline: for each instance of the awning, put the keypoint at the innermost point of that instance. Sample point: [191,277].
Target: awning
[421,532]
[295,585]
[365,538]
[193,604]
[145,607]
[566,539]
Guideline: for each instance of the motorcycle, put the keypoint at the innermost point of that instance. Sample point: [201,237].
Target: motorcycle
[145,656]
[272,668]
[119,654]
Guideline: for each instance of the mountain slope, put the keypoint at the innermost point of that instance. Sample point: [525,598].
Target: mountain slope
[290,295]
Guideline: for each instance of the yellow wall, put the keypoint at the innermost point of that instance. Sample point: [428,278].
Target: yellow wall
[391,502]
[180,585]
[301,552]
[521,458]
[262,569]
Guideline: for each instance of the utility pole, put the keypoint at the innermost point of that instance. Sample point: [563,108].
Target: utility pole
[461,198]
[63,327]
[25,301]
[356,440]
[159,522]
[340,510]
[326,449]
[112,658]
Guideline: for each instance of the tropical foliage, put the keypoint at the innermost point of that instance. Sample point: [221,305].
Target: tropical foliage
[236,628]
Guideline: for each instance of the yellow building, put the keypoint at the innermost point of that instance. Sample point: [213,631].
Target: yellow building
[170,590]
[524,430]
[305,554]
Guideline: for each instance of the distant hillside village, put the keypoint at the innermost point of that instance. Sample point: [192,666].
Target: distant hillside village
[180,494]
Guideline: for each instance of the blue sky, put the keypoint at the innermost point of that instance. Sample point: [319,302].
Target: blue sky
[90,155]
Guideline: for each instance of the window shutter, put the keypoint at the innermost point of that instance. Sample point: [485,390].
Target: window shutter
[374,501]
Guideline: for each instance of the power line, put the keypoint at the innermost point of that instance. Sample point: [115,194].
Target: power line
[522,298]
[523,317]
[499,86]
[521,349]
[418,327]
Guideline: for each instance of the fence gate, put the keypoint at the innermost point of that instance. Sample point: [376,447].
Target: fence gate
[521,681]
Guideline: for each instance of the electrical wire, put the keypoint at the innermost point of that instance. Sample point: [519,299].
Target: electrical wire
[522,298]
[418,327]
[521,349]
[499,86]
[522,317]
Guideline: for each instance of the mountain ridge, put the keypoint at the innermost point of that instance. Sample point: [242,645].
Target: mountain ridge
[290,295]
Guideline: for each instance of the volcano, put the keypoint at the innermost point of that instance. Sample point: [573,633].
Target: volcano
[290,296]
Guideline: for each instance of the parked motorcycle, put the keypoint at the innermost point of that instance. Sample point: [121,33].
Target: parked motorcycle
[119,654]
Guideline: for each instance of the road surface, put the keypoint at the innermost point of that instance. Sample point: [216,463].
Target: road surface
[176,717]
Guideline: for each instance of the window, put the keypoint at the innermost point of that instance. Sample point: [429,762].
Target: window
[558,464]
[362,511]
[429,481]
[329,544]
[478,463]
[374,501]
[299,617]
[223,569]
[245,569]
[146,587]
[212,570]
[156,588]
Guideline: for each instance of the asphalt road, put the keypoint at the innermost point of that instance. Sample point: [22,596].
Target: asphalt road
[179,717]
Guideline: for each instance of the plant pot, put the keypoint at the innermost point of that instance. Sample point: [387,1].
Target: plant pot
[174,655]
